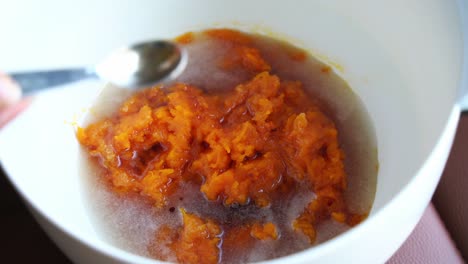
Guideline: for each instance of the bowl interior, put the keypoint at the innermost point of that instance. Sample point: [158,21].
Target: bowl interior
[402,59]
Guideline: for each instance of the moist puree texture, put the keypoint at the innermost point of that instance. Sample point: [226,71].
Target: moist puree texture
[246,147]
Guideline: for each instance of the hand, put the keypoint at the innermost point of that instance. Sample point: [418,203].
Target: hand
[11,103]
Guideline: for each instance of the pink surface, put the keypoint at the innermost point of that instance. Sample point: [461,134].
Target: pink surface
[429,243]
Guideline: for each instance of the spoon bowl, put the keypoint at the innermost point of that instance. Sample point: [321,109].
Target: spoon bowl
[143,64]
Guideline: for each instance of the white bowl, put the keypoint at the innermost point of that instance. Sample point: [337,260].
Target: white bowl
[403,58]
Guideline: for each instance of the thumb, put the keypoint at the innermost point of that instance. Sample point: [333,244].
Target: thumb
[10,92]
[11,103]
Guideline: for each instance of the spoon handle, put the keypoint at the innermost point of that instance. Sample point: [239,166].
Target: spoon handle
[34,81]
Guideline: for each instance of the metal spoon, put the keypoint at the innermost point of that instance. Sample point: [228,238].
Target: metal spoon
[133,67]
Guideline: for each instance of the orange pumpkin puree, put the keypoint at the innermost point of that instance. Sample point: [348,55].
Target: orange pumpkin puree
[242,146]
[197,241]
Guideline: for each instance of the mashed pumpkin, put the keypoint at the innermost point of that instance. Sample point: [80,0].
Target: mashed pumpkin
[244,146]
